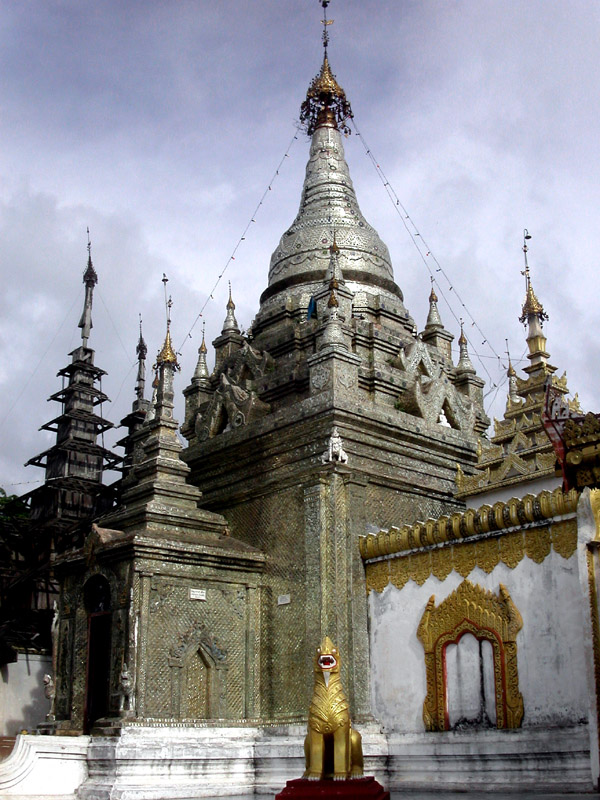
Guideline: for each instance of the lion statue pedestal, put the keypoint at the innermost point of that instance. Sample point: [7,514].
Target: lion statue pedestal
[333,750]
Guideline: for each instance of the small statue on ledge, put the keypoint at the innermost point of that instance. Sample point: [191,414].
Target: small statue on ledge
[335,449]
[331,747]
[50,693]
[125,692]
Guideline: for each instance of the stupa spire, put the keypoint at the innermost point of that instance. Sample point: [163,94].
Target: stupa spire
[201,372]
[533,316]
[230,323]
[141,352]
[433,317]
[90,279]
[464,361]
[167,354]
[328,203]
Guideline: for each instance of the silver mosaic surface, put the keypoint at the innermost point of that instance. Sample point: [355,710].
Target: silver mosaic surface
[329,203]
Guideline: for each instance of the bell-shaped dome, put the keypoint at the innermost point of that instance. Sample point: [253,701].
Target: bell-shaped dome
[329,207]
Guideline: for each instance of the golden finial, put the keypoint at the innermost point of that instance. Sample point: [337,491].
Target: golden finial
[531,304]
[167,355]
[325,102]
[433,298]
[203,345]
[463,339]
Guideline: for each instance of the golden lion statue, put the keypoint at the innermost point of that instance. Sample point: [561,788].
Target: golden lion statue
[331,747]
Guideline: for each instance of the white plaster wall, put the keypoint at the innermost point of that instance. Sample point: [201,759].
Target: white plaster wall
[551,656]
[22,701]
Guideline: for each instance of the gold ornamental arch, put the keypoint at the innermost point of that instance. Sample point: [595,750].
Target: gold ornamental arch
[488,617]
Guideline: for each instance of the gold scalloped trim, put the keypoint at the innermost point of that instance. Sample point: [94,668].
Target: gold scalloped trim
[463,557]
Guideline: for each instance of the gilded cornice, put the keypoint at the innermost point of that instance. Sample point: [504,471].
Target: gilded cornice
[472,522]
[508,548]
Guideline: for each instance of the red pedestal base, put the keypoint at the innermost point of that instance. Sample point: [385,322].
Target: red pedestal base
[303,789]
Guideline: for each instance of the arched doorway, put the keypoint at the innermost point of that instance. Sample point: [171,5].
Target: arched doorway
[96,595]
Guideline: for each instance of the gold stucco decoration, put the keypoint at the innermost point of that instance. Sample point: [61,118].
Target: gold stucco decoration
[379,576]
[420,567]
[399,572]
[564,537]
[593,595]
[488,554]
[441,563]
[489,617]
[595,505]
[512,549]
[465,558]
[462,555]
[537,544]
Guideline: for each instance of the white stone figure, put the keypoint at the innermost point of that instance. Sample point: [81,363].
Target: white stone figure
[443,419]
[125,690]
[335,449]
[50,693]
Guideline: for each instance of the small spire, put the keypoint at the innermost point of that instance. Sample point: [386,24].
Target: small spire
[334,249]
[533,316]
[201,372]
[167,355]
[531,305]
[433,318]
[513,397]
[334,274]
[464,361]
[141,352]
[90,276]
[230,325]
[90,279]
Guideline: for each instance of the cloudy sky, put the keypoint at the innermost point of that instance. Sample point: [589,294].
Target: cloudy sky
[160,124]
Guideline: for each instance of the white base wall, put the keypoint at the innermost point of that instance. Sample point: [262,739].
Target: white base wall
[177,763]
[144,763]
[23,704]
[44,767]
[548,760]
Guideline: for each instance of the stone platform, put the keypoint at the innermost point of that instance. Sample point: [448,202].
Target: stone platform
[366,788]
[189,763]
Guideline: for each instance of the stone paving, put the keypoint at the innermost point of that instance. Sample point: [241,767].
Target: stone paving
[478,795]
